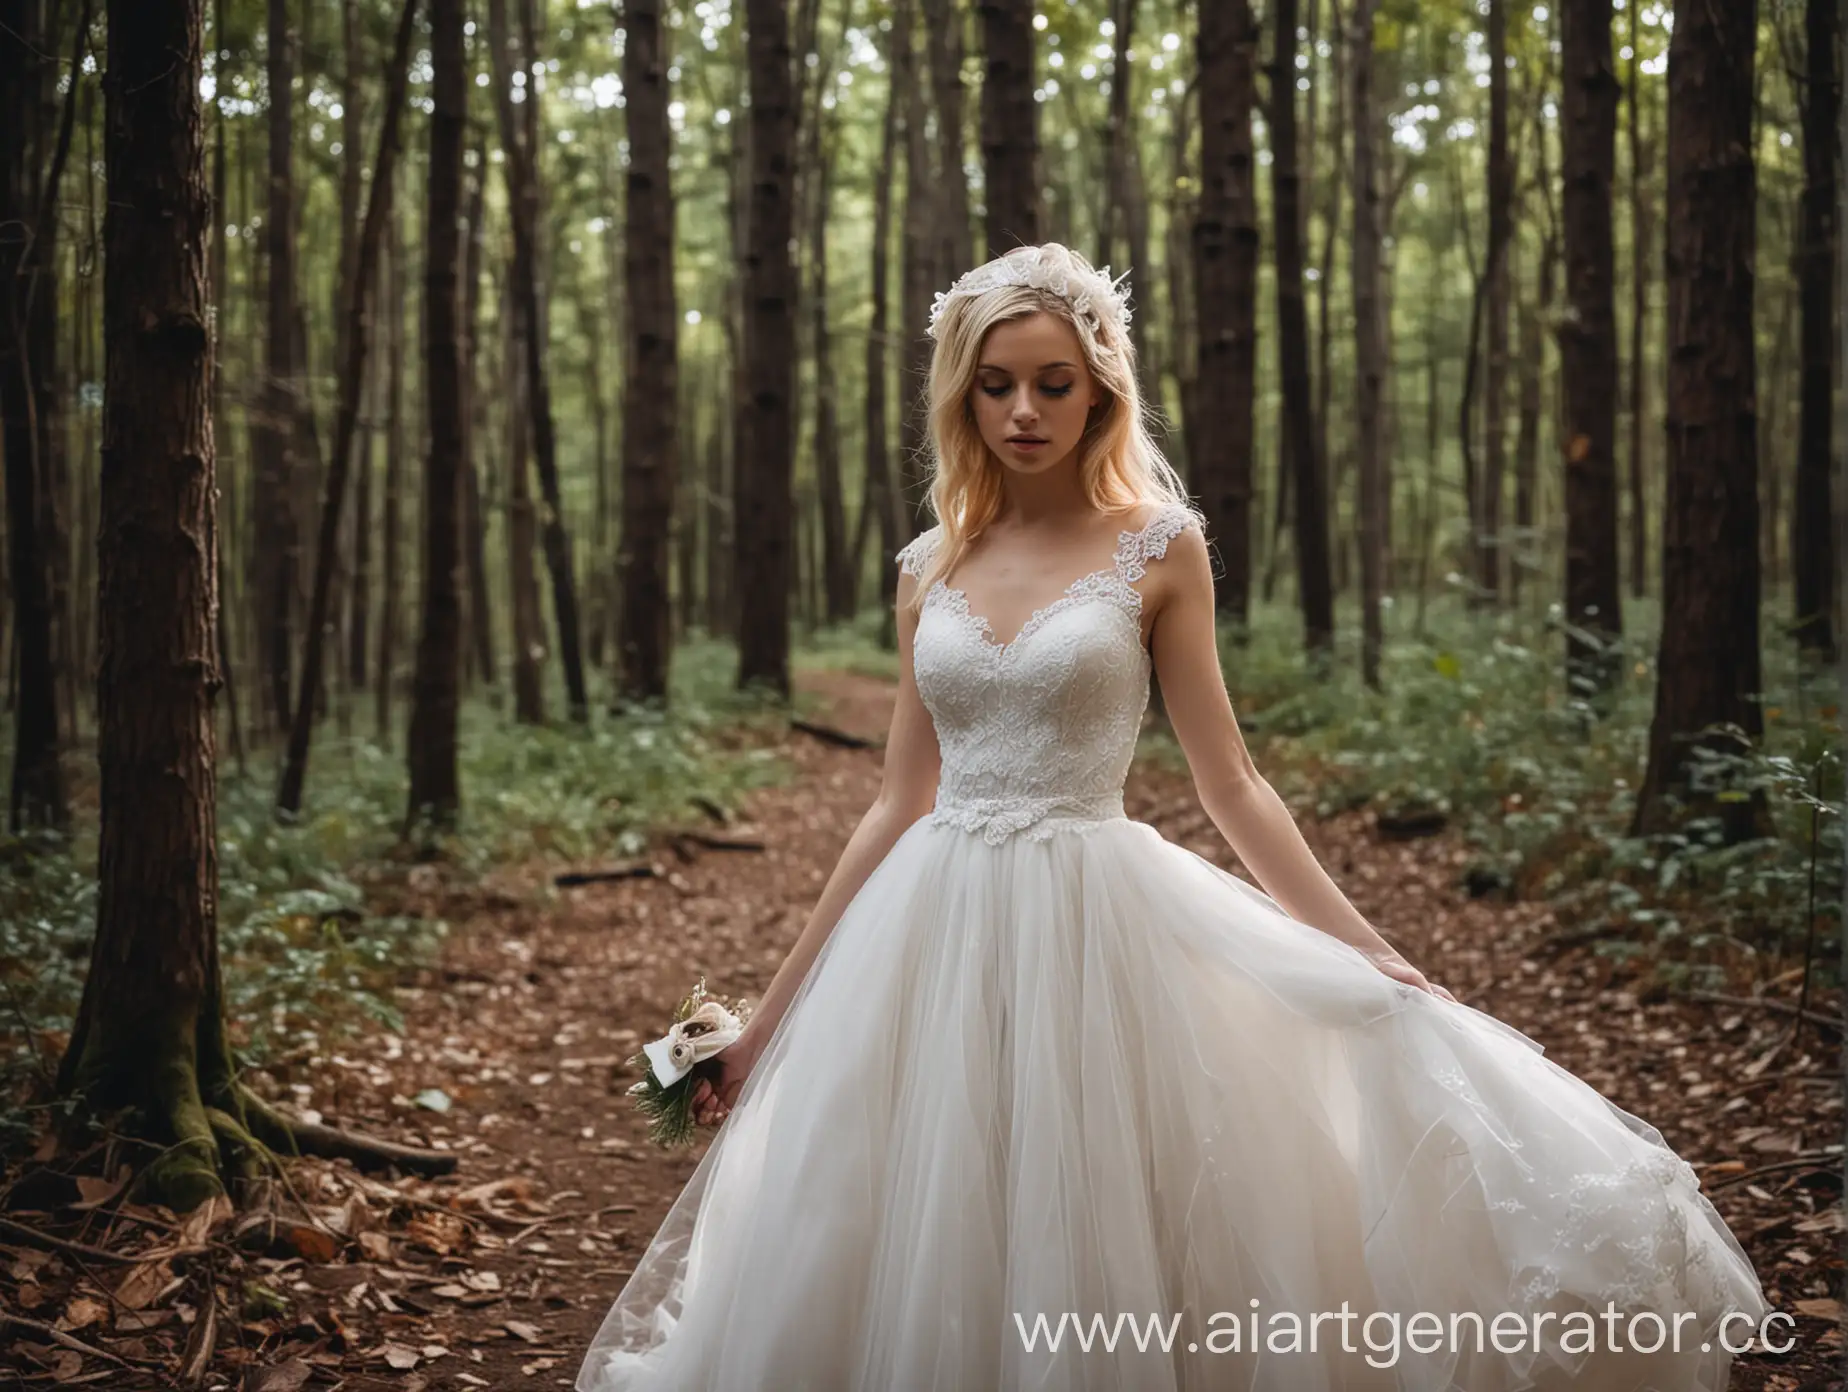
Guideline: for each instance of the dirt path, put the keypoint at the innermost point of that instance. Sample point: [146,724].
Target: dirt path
[524,1025]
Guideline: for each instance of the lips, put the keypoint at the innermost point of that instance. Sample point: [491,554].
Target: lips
[1026,441]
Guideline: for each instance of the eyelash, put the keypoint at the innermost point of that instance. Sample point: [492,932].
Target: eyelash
[1065,390]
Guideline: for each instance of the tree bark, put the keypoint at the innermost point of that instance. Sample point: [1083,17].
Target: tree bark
[1226,291]
[278,541]
[435,797]
[764,443]
[1812,530]
[474,416]
[522,576]
[37,794]
[1010,125]
[1314,584]
[916,278]
[1588,349]
[1642,235]
[357,338]
[1489,548]
[391,523]
[944,30]
[879,498]
[836,569]
[521,163]
[650,437]
[1369,342]
[1708,674]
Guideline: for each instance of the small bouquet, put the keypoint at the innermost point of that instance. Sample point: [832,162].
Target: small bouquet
[703,1025]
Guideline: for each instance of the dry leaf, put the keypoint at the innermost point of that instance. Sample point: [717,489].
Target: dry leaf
[1820,1309]
[313,1244]
[400,1357]
[97,1191]
[375,1246]
[206,1219]
[142,1284]
[520,1329]
[283,1377]
[81,1313]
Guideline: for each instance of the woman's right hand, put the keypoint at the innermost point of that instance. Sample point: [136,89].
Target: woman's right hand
[721,1078]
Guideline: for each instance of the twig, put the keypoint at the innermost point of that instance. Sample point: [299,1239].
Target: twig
[639,870]
[827,734]
[32,1237]
[1796,1162]
[1766,1003]
[58,1336]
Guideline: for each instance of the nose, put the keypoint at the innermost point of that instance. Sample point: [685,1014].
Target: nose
[1021,410]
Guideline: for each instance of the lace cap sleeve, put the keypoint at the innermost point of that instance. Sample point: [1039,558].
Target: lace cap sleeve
[1137,549]
[914,557]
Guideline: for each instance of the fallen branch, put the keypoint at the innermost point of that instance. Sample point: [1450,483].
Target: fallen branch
[1767,1003]
[44,1241]
[720,843]
[637,870]
[294,1136]
[1814,1160]
[58,1336]
[828,734]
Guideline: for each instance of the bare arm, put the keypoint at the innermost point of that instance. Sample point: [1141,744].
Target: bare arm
[906,792]
[1242,804]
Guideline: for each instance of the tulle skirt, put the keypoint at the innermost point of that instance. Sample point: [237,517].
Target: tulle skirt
[1095,1087]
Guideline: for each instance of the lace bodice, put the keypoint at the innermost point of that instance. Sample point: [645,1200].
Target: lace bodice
[1036,734]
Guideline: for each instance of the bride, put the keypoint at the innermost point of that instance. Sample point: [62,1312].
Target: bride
[1040,1099]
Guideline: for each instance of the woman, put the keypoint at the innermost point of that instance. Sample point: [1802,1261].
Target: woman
[1031,1069]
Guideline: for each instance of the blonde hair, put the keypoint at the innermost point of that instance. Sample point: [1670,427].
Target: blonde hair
[1119,464]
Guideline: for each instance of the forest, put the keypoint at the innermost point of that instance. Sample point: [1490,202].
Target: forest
[454,454]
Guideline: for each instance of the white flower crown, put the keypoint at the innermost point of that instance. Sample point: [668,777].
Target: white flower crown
[1094,296]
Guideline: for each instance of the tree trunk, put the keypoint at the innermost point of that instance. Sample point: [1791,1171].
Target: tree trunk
[650,436]
[522,576]
[1314,584]
[878,497]
[435,798]
[916,280]
[836,572]
[474,514]
[1226,291]
[391,525]
[1488,494]
[1010,126]
[1588,349]
[1708,675]
[944,30]
[37,795]
[1369,342]
[358,340]
[521,163]
[764,442]
[1812,530]
[1113,195]
[278,541]
[1642,235]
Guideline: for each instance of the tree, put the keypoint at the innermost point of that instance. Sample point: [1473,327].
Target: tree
[1369,339]
[149,1037]
[521,150]
[435,797]
[881,504]
[1226,290]
[1708,678]
[1588,347]
[917,278]
[28,299]
[1301,452]
[357,343]
[1497,294]
[1812,531]
[1010,125]
[650,443]
[278,539]
[943,30]
[764,443]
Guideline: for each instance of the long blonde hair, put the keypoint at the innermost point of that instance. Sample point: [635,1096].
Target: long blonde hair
[1119,464]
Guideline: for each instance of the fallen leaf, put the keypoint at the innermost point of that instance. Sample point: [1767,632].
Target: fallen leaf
[313,1244]
[66,1364]
[375,1246]
[282,1377]
[142,1284]
[400,1357]
[434,1100]
[97,1191]
[520,1329]
[81,1313]
[1820,1309]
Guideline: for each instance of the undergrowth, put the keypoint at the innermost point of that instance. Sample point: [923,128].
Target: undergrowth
[305,951]
[1476,726]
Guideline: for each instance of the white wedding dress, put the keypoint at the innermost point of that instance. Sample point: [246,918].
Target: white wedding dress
[1049,1063]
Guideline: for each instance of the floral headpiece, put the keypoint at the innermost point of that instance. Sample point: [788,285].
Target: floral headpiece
[1092,293]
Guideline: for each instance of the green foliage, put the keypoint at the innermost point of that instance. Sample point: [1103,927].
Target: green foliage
[1477,723]
[305,952]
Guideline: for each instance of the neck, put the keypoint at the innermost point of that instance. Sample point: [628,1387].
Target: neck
[1044,494]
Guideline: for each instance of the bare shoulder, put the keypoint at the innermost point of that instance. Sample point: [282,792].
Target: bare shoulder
[1174,536]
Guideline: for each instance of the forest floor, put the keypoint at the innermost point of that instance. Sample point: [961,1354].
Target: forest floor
[513,1051]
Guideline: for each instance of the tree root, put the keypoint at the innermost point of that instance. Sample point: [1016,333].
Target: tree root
[292,1136]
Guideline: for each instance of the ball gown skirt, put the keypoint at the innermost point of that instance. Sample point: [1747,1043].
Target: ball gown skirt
[1096,1074]
[1051,1072]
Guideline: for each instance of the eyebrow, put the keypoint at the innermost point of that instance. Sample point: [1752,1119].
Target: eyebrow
[1046,367]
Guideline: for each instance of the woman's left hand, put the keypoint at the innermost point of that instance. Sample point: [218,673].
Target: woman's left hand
[1399,969]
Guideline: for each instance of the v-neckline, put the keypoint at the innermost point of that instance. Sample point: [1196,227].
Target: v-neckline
[985,630]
